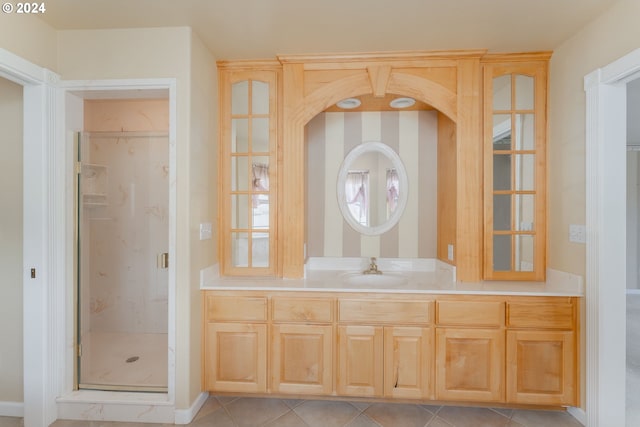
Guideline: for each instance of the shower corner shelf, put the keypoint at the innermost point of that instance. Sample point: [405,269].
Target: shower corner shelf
[94,185]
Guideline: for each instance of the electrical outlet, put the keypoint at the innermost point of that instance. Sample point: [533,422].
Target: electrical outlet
[577,233]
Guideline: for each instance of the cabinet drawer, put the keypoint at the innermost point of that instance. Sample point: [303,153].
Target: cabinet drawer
[374,311]
[550,315]
[236,308]
[470,313]
[302,309]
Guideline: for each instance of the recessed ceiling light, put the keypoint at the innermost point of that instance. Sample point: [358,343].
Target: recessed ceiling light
[349,103]
[402,102]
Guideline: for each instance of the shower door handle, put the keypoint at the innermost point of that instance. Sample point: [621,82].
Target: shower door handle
[163,260]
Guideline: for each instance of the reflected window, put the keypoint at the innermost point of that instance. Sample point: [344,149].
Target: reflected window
[357,194]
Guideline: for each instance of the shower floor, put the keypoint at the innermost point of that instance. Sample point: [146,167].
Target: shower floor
[105,355]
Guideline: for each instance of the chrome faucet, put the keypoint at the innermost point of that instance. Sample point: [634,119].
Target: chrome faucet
[373,267]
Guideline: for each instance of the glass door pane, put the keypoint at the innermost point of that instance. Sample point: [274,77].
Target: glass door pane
[123,244]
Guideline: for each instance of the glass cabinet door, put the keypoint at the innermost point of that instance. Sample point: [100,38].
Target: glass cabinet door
[515,169]
[247,171]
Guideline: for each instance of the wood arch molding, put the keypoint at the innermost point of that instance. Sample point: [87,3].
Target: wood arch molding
[370,82]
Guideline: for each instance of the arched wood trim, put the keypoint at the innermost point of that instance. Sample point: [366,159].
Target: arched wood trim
[425,90]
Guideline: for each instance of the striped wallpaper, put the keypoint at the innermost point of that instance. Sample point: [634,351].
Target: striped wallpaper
[330,136]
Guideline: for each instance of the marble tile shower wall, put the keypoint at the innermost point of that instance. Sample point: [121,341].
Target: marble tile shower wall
[125,224]
[127,292]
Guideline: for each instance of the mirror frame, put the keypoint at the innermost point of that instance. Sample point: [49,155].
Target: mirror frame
[367,147]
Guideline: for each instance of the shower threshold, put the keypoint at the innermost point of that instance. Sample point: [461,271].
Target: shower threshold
[127,388]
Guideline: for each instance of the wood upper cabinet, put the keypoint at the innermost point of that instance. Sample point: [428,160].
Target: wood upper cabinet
[515,113]
[248,168]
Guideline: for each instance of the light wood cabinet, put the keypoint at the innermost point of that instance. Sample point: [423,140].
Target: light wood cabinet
[541,367]
[515,350]
[248,167]
[302,359]
[470,364]
[236,357]
[515,112]
[408,362]
[541,352]
[360,366]
[378,360]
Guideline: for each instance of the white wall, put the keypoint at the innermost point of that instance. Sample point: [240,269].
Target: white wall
[609,37]
[30,38]
[203,196]
[11,242]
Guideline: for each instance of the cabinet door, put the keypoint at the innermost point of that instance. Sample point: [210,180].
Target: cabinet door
[248,177]
[541,367]
[236,357]
[408,362]
[302,358]
[515,102]
[470,364]
[360,360]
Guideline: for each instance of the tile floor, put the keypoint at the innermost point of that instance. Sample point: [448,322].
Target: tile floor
[253,412]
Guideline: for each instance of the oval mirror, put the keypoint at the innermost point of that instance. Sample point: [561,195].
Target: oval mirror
[372,188]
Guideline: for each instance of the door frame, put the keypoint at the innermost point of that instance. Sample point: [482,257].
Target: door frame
[606,117]
[76,403]
[42,242]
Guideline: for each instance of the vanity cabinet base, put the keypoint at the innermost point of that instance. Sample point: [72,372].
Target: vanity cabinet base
[473,349]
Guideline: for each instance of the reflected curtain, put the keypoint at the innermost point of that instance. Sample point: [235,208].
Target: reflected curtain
[357,195]
[393,190]
[260,181]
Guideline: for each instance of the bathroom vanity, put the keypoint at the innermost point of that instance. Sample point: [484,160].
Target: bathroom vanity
[492,342]
[275,326]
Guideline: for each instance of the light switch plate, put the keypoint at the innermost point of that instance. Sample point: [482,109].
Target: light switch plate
[206,231]
[577,233]
[450,252]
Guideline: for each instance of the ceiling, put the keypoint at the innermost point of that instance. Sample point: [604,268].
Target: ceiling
[252,29]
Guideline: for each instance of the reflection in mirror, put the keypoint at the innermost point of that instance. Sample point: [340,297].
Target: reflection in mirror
[525,172]
[239,135]
[240,98]
[260,196]
[525,132]
[524,92]
[524,252]
[259,97]
[502,131]
[524,212]
[502,93]
[372,188]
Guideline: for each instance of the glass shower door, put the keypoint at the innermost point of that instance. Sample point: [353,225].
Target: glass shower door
[122,245]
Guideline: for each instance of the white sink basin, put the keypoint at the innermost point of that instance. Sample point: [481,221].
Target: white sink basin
[390,279]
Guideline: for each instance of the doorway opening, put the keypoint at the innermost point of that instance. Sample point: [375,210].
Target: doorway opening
[122,245]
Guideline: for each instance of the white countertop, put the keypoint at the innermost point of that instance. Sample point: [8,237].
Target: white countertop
[393,281]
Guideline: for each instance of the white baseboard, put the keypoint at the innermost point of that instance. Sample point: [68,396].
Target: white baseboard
[578,414]
[185,416]
[12,409]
